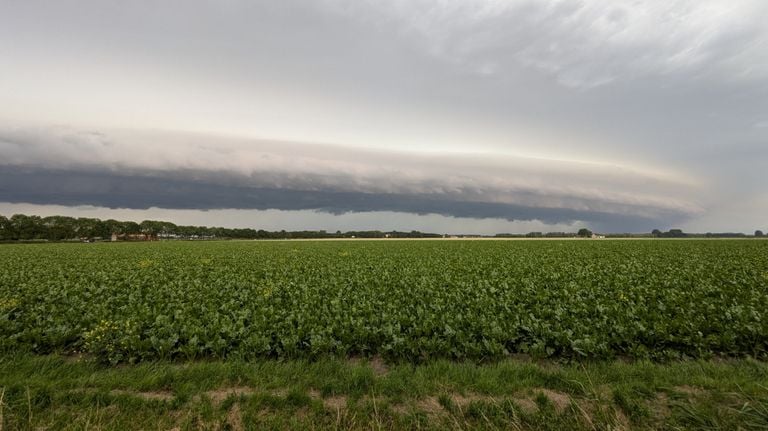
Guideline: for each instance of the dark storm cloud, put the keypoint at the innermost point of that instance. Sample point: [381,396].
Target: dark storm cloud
[186,190]
[71,167]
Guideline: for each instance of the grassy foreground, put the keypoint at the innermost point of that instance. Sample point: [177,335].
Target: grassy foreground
[55,392]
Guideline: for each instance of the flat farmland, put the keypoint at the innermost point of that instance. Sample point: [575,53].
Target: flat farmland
[403,300]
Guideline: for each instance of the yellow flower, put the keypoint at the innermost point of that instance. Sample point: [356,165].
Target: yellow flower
[8,303]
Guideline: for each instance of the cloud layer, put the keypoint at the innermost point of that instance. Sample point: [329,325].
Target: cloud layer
[585,44]
[170,170]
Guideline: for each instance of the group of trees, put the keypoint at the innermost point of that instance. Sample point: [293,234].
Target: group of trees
[678,233]
[30,227]
[672,233]
[59,228]
[586,233]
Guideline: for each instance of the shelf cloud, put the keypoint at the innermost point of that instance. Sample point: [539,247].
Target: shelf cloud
[171,170]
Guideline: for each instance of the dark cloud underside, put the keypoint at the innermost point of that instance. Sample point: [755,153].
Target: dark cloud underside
[73,188]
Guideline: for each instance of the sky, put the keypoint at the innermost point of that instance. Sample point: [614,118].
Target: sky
[471,116]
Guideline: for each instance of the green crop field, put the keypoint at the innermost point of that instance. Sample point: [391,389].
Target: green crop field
[528,335]
[410,300]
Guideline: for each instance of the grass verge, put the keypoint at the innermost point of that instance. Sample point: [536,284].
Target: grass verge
[55,392]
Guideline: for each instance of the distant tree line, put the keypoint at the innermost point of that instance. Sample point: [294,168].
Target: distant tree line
[656,233]
[672,233]
[61,228]
[583,232]
[20,227]
[678,233]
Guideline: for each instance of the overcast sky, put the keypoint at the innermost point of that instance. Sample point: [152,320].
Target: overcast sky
[471,116]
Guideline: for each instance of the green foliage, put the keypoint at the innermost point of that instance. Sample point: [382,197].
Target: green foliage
[55,392]
[672,233]
[410,300]
[22,227]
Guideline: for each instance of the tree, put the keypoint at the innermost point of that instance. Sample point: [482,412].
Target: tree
[656,233]
[584,232]
[154,227]
[26,227]
[676,233]
[129,227]
[758,233]
[88,227]
[59,227]
[5,228]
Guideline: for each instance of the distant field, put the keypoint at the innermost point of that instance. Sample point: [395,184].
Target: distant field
[404,300]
